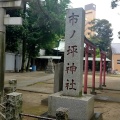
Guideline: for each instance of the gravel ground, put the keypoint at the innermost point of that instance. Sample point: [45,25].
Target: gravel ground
[32,100]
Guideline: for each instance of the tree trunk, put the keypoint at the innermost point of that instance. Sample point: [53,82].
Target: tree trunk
[23,69]
[28,64]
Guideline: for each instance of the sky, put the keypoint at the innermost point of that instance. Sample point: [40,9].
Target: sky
[103,11]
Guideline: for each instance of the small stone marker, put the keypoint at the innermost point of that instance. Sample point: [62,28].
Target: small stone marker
[50,67]
[73,56]
[62,114]
[13,84]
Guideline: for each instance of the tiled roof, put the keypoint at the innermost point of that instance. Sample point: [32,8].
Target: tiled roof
[115,48]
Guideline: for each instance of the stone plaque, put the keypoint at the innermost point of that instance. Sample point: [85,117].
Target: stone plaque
[73,55]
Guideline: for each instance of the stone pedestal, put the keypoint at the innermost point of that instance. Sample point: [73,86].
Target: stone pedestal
[79,108]
[13,106]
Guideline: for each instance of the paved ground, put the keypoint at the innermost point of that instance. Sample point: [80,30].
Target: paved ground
[28,81]
[37,86]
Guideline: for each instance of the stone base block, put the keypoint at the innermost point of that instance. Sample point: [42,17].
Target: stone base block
[79,108]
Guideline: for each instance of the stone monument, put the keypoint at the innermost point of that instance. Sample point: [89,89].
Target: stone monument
[80,106]
[50,67]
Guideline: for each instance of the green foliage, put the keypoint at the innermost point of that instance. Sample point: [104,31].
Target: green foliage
[43,26]
[12,41]
[13,33]
[119,34]
[46,23]
[97,53]
[114,3]
[103,33]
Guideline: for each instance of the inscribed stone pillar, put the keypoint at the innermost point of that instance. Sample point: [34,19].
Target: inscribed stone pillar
[73,56]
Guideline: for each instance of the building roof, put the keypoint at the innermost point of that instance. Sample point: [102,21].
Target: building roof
[115,48]
[96,59]
[59,57]
[48,57]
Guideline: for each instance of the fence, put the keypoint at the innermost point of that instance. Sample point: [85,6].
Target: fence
[37,117]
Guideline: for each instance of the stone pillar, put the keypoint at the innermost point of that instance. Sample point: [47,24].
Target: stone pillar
[13,106]
[73,55]
[58,77]
[80,106]
[2,51]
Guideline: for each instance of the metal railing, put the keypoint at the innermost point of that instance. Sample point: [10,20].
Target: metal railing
[37,117]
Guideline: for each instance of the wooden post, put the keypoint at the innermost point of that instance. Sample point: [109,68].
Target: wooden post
[100,84]
[104,72]
[86,69]
[93,72]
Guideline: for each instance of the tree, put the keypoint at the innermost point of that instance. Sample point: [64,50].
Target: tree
[46,25]
[103,33]
[42,26]
[16,35]
[114,3]
[119,34]
[13,33]
[51,15]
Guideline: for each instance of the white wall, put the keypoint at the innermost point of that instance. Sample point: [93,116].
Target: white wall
[18,62]
[12,62]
